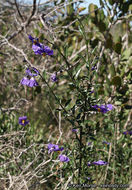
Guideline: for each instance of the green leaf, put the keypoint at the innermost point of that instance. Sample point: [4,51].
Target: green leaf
[126,54]
[70,8]
[94,42]
[78,101]
[112,70]
[73,109]
[107,80]
[130,7]
[128,107]
[111,2]
[36,32]
[118,103]
[101,25]
[68,102]
[40,24]
[101,15]
[116,81]
[123,89]
[38,89]
[1,71]
[80,30]
[41,37]
[109,41]
[101,91]
[117,47]
[78,116]
[101,2]
[92,8]
[72,86]
[45,75]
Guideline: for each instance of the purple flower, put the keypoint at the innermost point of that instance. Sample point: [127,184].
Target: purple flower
[89,164]
[32,72]
[100,162]
[104,142]
[75,130]
[23,120]
[89,143]
[29,82]
[127,133]
[39,48]
[53,77]
[92,91]
[103,108]
[109,107]
[32,82]
[34,40]
[64,158]
[25,81]
[93,68]
[31,38]
[54,147]
[48,50]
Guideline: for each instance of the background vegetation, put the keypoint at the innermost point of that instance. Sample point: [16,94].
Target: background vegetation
[93,63]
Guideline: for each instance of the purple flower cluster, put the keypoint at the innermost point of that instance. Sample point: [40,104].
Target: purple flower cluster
[53,77]
[104,142]
[23,120]
[127,133]
[92,92]
[100,162]
[55,148]
[64,158]
[89,143]
[32,72]
[29,82]
[93,68]
[103,108]
[39,48]
[75,130]
[29,79]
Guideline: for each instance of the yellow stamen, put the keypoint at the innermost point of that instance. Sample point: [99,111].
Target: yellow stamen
[35,41]
[44,54]
[23,121]
[99,109]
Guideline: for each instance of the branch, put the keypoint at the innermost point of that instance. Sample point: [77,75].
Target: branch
[17,7]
